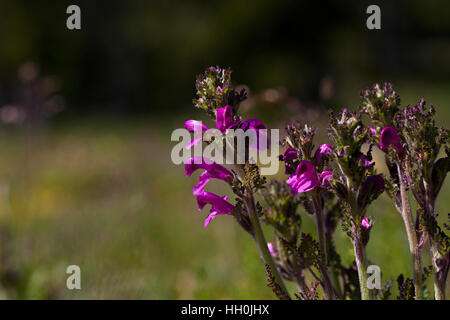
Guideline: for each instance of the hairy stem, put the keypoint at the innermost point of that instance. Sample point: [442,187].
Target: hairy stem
[440,273]
[318,212]
[361,265]
[261,242]
[412,238]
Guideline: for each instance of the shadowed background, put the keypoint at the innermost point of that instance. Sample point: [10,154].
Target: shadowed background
[86,117]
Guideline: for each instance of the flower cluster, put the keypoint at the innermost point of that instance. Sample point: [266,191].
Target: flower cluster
[334,184]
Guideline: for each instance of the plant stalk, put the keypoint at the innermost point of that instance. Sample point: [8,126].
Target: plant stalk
[361,265]
[262,243]
[412,238]
[321,235]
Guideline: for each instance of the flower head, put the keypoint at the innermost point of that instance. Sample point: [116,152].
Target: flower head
[256,125]
[325,178]
[323,152]
[224,119]
[365,223]
[304,179]
[219,205]
[289,155]
[212,171]
[389,137]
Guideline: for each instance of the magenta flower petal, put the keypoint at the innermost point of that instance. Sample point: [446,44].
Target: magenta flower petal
[365,223]
[219,205]
[322,152]
[218,171]
[290,154]
[390,137]
[373,131]
[257,125]
[193,142]
[195,126]
[305,178]
[364,162]
[224,119]
[325,178]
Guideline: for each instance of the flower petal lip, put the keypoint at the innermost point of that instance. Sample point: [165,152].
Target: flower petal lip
[256,125]
[219,205]
[365,223]
[218,171]
[390,137]
[224,119]
[323,151]
[305,178]
[195,126]
[290,154]
[325,178]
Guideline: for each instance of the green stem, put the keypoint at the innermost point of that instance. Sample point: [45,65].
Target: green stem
[440,276]
[262,244]
[321,235]
[412,238]
[361,265]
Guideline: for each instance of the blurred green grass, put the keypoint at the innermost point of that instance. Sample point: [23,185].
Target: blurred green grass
[103,194]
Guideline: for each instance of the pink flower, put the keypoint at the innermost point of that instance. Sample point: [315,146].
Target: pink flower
[256,125]
[289,155]
[212,171]
[194,126]
[389,137]
[325,178]
[322,152]
[373,131]
[224,119]
[304,179]
[365,223]
[219,205]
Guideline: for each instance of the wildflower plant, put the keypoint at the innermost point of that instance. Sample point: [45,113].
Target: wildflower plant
[333,183]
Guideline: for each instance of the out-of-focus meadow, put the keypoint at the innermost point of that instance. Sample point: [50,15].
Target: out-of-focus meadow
[87,180]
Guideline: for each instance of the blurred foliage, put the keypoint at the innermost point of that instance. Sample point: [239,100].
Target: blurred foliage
[142,56]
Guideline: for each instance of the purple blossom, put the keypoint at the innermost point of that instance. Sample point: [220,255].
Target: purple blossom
[212,171]
[365,223]
[195,126]
[219,205]
[256,125]
[373,131]
[389,137]
[304,179]
[224,119]
[364,161]
[325,178]
[289,155]
[322,152]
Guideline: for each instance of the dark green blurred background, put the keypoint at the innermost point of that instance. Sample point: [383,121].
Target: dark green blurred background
[86,176]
